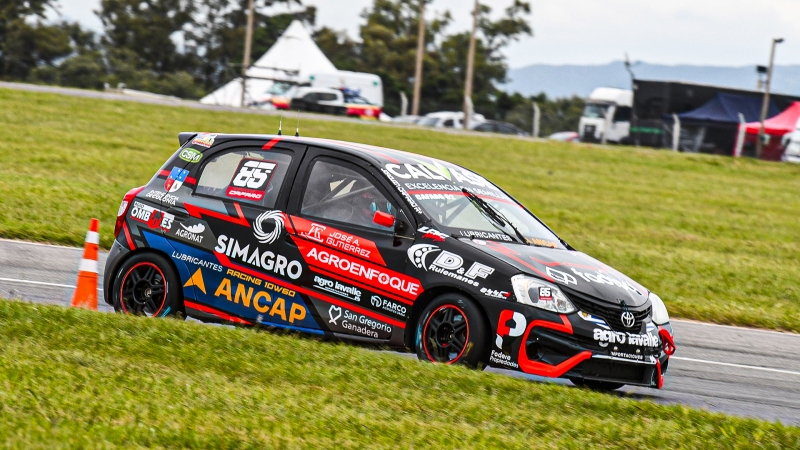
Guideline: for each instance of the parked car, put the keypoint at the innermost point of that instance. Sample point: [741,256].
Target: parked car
[448,119]
[407,119]
[493,126]
[332,101]
[351,241]
[565,136]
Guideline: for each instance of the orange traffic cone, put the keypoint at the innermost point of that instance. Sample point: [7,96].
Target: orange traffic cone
[85,295]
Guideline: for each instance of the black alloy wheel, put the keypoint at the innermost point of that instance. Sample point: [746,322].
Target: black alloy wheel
[145,285]
[451,330]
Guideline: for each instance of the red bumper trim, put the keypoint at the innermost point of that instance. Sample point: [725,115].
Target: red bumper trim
[543,369]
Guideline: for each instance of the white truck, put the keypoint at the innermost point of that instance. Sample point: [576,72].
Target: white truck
[606,116]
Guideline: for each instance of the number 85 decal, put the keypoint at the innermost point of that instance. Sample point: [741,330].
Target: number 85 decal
[253,174]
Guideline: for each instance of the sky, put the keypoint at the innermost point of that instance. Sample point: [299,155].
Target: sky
[699,32]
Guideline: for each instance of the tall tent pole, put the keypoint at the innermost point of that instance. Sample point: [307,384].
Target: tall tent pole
[765,104]
[248,43]
[420,54]
[470,70]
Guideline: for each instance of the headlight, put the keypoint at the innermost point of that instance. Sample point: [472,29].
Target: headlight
[660,315]
[541,294]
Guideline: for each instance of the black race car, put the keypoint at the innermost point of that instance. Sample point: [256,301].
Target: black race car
[380,246]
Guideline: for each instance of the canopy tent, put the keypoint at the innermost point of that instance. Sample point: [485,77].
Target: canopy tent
[774,129]
[779,125]
[725,108]
[712,128]
[294,57]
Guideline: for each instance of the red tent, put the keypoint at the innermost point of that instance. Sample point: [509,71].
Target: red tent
[779,125]
[774,128]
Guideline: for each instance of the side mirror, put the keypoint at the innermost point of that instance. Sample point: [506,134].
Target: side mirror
[383,219]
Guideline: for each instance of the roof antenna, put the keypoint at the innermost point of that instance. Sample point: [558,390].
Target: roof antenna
[280,124]
[297,130]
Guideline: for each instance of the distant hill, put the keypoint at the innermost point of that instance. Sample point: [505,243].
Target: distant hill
[564,81]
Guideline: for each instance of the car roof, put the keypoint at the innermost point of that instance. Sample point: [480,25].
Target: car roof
[377,155]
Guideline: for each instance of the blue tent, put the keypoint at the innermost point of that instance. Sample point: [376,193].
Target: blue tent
[725,109]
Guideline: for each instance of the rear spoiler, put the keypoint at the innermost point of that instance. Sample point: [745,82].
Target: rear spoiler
[184,137]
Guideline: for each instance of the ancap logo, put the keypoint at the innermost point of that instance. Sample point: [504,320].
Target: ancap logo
[190,155]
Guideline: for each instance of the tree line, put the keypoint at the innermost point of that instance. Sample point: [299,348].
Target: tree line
[188,48]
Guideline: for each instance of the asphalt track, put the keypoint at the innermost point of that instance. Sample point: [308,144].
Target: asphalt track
[740,371]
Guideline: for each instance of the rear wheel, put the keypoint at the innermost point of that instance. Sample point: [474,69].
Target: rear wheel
[451,330]
[147,285]
[596,385]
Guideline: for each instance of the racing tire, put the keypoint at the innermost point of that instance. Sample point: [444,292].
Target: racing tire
[147,285]
[596,385]
[452,330]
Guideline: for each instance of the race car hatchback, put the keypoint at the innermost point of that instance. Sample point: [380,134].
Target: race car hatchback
[364,243]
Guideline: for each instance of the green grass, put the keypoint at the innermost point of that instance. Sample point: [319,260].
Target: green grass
[75,378]
[716,238]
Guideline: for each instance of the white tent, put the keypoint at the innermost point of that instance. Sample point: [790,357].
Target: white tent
[294,57]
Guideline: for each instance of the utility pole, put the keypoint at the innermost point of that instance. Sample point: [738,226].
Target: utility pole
[470,70]
[248,43]
[420,54]
[765,104]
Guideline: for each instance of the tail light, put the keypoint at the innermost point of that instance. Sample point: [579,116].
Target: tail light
[123,208]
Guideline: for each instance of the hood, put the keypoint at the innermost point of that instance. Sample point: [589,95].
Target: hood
[577,272]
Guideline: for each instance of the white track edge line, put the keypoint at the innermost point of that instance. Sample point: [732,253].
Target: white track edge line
[14,280]
[741,366]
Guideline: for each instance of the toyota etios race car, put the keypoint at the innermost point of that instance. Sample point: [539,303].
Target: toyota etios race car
[376,245]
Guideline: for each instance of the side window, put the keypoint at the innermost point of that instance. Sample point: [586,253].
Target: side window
[448,123]
[622,114]
[343,194]
[312,97]
[252,176]
[328,97]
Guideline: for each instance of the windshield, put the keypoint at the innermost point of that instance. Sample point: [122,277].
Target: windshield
[437,187]
[279,88]
[356,100]
[595,111]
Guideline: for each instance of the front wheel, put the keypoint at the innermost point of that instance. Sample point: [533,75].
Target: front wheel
[451,330]
[147,285]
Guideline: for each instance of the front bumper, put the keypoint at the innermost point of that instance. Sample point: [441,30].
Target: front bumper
[570,349]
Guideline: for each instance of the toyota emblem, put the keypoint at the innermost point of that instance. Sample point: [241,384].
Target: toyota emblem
[627,319]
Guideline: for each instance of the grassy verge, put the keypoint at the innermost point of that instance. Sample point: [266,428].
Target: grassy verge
[716,238]
[73,378]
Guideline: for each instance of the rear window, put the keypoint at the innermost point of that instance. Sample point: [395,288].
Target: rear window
[248,175]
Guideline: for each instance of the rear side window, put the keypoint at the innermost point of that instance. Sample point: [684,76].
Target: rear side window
[343,193]
[448,123]
[252,176]
[327,97]
[623,114]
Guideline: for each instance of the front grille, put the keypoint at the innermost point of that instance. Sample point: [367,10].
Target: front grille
[611,313]
[613,370]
